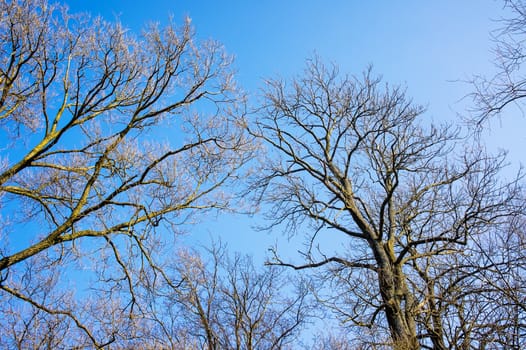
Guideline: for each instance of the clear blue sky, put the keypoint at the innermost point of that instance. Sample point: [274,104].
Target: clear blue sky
[423,43]
[426,45]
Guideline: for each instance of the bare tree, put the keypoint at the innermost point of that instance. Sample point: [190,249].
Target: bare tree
[508,85]
[108,142]
[480,294]
[352,159]
[226,303]
[27,327]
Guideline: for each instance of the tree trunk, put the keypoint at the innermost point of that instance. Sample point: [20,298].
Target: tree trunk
[435,329]
[398,301]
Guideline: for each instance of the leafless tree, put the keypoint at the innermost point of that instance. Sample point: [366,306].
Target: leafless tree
[109,140]
[508,85]
[480,294]
[353,160]
[226,303]
[26,327]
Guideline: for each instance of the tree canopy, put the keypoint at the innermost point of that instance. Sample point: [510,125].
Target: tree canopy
[416,202]
[114,143]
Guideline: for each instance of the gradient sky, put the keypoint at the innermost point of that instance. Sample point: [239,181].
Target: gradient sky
[428,46]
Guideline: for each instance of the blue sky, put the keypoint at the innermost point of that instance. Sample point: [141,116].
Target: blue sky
[429,46]
[422,43]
